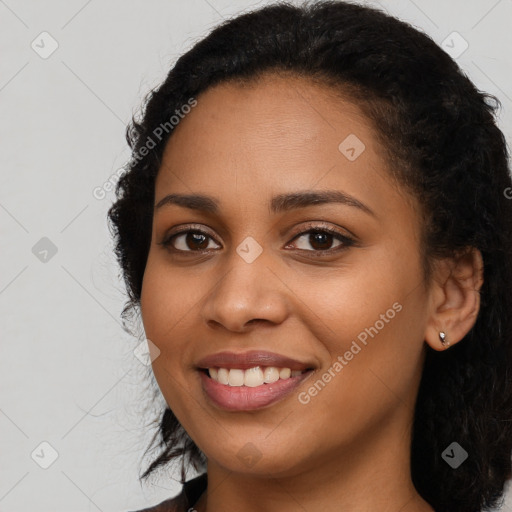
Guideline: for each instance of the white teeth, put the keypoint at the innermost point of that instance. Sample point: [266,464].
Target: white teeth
[222,376]
[271,374]
[252,377]
[284,373]
[236,377]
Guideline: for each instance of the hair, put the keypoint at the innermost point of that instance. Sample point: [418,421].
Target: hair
[440,134]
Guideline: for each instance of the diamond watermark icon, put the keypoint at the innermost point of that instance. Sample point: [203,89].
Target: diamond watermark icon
[44,45]
[44,250]
[44,455]
[351,147]
[146,352]
[249,249]
[454,455]
[454,45]
[249,455]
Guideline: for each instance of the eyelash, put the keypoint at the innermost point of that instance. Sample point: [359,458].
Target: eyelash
[346,241]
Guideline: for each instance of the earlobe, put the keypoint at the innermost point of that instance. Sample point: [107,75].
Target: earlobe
[455,298]
[444,340]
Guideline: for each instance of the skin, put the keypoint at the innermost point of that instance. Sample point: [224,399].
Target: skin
[348,448]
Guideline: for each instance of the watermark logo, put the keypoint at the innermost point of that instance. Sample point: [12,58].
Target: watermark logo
[44,455]
[146,352]
[304,397]
[44,250]
[351,147]
[44,45]
[454,455]
[249,455]
[165,128]
[454,45]
[100,192]
[249,249]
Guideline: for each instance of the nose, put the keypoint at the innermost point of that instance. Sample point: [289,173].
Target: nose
[246,294]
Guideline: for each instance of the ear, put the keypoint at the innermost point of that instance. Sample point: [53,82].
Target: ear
[454,298]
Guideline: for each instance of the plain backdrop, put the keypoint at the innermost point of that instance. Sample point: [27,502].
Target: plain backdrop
[73,392]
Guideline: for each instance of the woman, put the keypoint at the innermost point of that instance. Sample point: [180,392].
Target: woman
[315,228]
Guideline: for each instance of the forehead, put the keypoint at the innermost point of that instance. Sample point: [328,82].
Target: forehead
[294,109]
[279,134]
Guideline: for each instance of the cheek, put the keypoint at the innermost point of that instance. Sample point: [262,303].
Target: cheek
[374,370]
[161,311]
[373,316]
[168,305]
[350,299]
[164,298]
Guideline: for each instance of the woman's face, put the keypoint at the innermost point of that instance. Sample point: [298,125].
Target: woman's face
[259,273]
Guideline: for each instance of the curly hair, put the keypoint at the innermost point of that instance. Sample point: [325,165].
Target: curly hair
[441,136]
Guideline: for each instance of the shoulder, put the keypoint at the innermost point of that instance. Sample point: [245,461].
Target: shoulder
[188,496]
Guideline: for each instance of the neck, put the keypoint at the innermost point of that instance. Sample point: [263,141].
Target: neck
[371,474]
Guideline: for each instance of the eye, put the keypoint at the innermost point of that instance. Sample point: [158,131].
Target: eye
[321,239]
[188,240]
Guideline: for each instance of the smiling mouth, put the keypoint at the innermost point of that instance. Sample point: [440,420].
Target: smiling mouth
[236,389]
[252,377]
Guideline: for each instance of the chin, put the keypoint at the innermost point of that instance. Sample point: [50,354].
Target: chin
[252,460]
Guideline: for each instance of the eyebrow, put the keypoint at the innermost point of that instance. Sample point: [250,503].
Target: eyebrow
[279,203]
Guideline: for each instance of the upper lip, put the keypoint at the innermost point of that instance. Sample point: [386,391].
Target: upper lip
[250,359]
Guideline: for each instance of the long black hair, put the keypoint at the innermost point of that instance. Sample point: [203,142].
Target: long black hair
[440,134]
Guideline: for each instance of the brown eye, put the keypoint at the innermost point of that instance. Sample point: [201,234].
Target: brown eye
[194,240]
[317,241]
[189,241]
[322,240]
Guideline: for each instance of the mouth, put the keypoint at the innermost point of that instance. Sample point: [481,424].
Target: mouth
[250,380]
[237,389]
[251,377]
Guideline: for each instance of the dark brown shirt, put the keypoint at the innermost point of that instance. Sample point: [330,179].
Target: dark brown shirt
[185,500]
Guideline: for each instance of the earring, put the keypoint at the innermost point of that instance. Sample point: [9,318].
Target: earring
[444,341]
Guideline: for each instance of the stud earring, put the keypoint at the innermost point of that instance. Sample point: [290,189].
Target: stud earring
[444,341]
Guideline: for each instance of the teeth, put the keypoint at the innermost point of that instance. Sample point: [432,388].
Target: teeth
[271,374]
[251,377]
[284,373]
[236,377]
[222,376]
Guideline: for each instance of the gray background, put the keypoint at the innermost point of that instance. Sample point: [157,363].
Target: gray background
[68,373]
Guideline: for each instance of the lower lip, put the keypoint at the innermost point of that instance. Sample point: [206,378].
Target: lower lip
[244,398]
